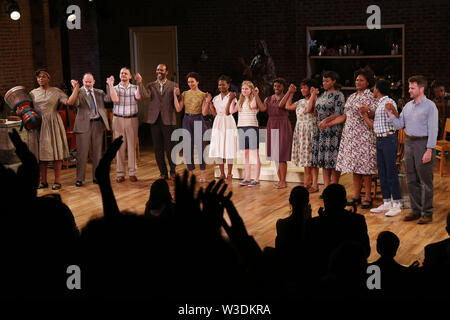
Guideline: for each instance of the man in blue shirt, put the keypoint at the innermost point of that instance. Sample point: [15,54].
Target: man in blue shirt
[420,120]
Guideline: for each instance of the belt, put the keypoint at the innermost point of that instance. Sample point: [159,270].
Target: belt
[132,116]
[384,134]
[96,119]
[414,138]
[192,114]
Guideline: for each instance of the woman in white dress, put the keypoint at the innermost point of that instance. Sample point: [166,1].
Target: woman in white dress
[224,136]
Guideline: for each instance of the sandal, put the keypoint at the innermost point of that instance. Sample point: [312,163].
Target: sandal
[313,190]
[230,177]
[354,201]
[56,186]
[43,185]
[366,204]
[277,186]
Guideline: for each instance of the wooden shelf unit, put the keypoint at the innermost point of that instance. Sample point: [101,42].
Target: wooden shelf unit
[374,43]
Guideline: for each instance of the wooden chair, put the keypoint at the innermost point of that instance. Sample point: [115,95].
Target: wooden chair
[443,146]
[401,150]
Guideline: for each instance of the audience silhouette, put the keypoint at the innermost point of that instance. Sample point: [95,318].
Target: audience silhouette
[195,246]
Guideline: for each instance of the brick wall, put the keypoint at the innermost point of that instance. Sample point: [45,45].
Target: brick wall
[16,49]
[228,29]
[16,56]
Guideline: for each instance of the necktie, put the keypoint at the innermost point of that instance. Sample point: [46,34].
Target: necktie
[92,103]
[161,86]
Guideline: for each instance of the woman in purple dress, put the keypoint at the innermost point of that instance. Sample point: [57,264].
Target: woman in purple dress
[279,131]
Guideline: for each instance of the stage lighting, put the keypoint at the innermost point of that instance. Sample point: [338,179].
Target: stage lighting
[13,10]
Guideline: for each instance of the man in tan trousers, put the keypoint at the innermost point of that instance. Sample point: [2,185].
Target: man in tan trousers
[125,122]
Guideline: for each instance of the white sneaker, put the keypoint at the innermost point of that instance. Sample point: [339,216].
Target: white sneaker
[396,209]
[385,207]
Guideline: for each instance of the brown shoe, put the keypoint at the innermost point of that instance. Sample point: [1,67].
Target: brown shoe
[120,179]
[425,220]
[411,217]
[133,178]
[163,176]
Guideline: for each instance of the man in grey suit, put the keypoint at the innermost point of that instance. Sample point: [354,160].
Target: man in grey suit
[90,123]
[161,116]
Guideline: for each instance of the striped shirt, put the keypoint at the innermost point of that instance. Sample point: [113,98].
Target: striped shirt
[127,105]
[381,122]
[247,116]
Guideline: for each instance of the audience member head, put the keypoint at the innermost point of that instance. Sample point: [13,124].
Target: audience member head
[299,200]
[330,80]
[160,198]
[334,197]
[387,244]
[448,224]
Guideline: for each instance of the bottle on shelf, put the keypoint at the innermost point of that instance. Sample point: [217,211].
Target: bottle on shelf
[345,49]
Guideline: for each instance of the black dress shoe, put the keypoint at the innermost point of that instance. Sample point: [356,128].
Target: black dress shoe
[79,183]
[366,204]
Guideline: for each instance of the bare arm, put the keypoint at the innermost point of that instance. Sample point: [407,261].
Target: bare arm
[73,97]
[206,103]
[231,104]
[179,103]
[264,106]
[145,93]
[258,103]
[111,94]
[212,109]
[312,100]
[286,102]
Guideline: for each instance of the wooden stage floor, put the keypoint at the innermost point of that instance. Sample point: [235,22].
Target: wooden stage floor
[260,207]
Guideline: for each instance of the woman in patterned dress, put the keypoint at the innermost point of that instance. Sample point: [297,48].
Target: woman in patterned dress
[49,143]
[279,149]
[326,140]
[357,152]
[303,132]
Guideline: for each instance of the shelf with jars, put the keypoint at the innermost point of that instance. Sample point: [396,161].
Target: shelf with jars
[345,49]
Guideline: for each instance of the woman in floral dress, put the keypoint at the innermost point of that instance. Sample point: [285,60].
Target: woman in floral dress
[357,152]
[303,132]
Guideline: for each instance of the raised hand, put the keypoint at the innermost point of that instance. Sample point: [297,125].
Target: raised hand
[74,83]
[208,97]
[187,206]
[212,201]
[138,77]
[256,91]
[110,207]
[232,95]
[236,231]
[176,92]
[28,171]
[110,81]
[292,89]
